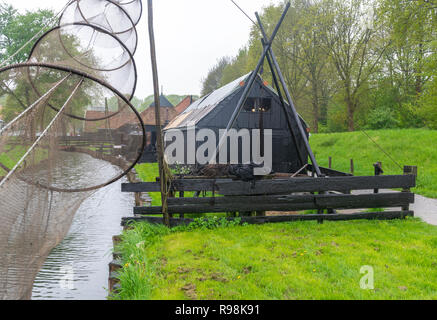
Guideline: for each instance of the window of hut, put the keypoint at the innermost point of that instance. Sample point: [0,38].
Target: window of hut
[258,104]
[250,105]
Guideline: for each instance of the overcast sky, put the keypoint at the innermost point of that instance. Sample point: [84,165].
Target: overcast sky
[190,36]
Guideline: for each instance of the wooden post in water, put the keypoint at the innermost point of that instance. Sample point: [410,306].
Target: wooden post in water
[159,138]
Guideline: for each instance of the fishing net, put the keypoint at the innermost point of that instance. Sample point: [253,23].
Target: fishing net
[68,121]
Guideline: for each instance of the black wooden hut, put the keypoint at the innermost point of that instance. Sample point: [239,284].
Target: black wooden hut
[262,110]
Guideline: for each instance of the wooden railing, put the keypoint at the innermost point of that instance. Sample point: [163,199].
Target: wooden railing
[321,194]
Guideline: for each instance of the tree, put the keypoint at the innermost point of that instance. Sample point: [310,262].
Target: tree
[17,29]
[310,58]
[352,44]
[237,67]
[411,26]
[213,79]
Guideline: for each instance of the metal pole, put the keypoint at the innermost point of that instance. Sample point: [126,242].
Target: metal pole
[250,84]
[290,101]
[160,141]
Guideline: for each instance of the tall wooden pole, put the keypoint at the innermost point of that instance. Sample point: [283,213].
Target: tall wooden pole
[160,140]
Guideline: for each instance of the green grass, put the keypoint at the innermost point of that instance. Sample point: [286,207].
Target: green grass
[12,154]
[148,172]
[408,147]
[300,260]
[10,157]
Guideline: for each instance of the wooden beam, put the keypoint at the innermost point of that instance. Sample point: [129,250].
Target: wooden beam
[388,215]
[282,203]
[159,137]
[279,186]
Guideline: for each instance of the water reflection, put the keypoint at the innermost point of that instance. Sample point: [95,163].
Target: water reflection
[78,267]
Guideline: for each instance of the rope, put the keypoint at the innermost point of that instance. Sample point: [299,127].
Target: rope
[380,148]
[35,36]
[244,12]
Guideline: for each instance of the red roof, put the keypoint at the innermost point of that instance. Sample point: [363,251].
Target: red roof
[184,104]
[122,118]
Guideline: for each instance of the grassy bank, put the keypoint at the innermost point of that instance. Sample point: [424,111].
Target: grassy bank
[302,260]
[12,154]
[407,147]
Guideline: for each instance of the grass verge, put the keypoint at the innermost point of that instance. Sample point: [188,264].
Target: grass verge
[300,260]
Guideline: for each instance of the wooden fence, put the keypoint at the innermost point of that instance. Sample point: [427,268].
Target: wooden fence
[326,194]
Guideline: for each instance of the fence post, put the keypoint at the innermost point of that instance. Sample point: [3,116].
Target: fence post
[378,172]
[330,163]
[409,170]
[181,195]
[352,166]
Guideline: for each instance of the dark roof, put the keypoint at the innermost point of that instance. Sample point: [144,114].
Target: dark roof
[163,102]
[200,108]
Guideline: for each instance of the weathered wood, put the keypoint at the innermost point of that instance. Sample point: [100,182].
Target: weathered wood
[282,203]
[409,170]
[388,215]
[177,185]
[412,170]
[115,265]
[279,186]
[158,126]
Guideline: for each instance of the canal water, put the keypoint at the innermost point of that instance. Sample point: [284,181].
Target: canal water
[77,269]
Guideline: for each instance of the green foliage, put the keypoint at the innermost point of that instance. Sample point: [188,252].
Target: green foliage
[237,67]
[381,118]
[299,260]
[337,119]
[180,169]
[213,223]
[213,79]
[427,106]
[175,99]
[16,29]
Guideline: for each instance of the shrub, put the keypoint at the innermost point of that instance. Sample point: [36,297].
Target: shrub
[381,118]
